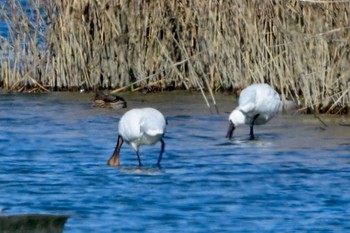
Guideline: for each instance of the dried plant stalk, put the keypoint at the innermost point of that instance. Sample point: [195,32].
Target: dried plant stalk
[299,47]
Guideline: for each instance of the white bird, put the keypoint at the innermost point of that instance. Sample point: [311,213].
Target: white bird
[257,104]
[139,126]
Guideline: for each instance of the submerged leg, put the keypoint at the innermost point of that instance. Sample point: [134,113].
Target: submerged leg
[114,160]
[161,152]
[251,134]
[230,130]
[138,158]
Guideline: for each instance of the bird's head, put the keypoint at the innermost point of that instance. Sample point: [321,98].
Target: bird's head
[236,118]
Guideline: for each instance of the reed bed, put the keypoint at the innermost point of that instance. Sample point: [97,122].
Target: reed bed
[299,47]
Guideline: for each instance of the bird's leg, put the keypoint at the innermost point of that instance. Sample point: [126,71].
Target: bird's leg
[251,134]
[114,160]
[138,158]
[161,152]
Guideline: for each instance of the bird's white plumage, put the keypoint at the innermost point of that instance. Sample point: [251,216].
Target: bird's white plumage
[257,104]
[139,126]
[142,126]
[256,99]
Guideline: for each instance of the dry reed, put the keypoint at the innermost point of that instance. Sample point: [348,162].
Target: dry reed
[299,47]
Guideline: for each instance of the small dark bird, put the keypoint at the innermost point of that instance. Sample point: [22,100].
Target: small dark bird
[108,101]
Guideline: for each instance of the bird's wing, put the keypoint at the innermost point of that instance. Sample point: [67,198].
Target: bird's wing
[247,108]
[112,98]
[152,127]
[247,100]
[152,124]
[100,95]
[268,102]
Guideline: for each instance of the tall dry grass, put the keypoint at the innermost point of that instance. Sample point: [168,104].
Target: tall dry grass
[299,47]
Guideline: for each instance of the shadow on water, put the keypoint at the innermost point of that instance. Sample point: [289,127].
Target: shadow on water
[54,148]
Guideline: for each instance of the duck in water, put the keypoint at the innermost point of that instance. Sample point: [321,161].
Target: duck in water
[108,101]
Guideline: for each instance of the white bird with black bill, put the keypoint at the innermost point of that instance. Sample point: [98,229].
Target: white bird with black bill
[257,104]
[139,126]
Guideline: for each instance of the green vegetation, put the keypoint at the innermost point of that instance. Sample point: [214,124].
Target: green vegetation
[300,47]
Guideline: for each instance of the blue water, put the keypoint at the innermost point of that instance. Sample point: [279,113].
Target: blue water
[53,150]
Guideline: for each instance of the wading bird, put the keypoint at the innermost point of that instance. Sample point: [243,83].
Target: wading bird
[257,104]
[139,126]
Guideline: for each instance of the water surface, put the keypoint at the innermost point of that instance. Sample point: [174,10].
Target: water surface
[54,147]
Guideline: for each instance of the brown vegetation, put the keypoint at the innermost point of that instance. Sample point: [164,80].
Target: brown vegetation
[299,47]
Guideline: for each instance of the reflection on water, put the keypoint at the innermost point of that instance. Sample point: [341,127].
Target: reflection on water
[141,171]
[54,148]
